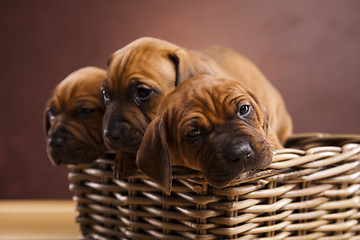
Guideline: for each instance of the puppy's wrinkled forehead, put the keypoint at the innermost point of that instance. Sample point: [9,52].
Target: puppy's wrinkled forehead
[145,59]
[78,90]
[216,98]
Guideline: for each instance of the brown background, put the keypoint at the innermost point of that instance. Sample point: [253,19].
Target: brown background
[309,49]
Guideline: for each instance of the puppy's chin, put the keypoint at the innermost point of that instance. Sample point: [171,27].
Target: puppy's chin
[74,154]
[219,177]
[221,172]
[130,145]
[57,160]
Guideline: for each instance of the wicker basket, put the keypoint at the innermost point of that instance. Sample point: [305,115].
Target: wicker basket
[310,191]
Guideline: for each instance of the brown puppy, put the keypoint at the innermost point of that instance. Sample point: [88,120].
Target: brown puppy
[73,118]
[219,126]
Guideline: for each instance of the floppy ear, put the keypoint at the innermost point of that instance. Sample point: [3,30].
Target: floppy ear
[188,65]
[269,133]
[153,155]
[109,60]
[261,107]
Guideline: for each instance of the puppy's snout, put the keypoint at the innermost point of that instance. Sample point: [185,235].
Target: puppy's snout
[112,135]
[58,139]
[239,151]
[115,131]
[57,142]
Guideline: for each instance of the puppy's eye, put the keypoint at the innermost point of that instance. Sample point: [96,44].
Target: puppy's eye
[51,115]
[86,112]
[143,93]
[193,133]
[106,96]
[244,110]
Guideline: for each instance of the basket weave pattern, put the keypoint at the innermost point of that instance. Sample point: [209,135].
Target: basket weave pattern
[310,191]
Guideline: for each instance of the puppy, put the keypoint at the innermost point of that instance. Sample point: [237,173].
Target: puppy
[73,118]
[219,126]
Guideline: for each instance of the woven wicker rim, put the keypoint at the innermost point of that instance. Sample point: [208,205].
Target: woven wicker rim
[310,191]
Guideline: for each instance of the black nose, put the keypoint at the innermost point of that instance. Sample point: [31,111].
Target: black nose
[57,142]
[115,131]
[112,135]
[239,151]
[58,139]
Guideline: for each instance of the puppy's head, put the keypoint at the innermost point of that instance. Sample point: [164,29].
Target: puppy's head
[73,118]
[139,76]
[208,124]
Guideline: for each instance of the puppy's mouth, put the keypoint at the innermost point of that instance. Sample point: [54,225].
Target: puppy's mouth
[219,177]
[124,142]
[71,153]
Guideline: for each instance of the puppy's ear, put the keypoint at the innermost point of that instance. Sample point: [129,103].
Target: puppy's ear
[188,65]
[109,60]
[269,133]
[263,111]
[153,155]
[176,61]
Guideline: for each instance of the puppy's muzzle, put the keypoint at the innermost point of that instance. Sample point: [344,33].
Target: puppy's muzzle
[233,158]
[114,134]
[57,140]
[121,135]
[58,145]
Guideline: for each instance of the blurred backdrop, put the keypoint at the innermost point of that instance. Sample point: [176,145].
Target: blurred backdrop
[309,49]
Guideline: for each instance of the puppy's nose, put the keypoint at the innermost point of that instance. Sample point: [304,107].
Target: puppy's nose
[240,151]
[115,132]
[58,139]
[57,142]
[112,135]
